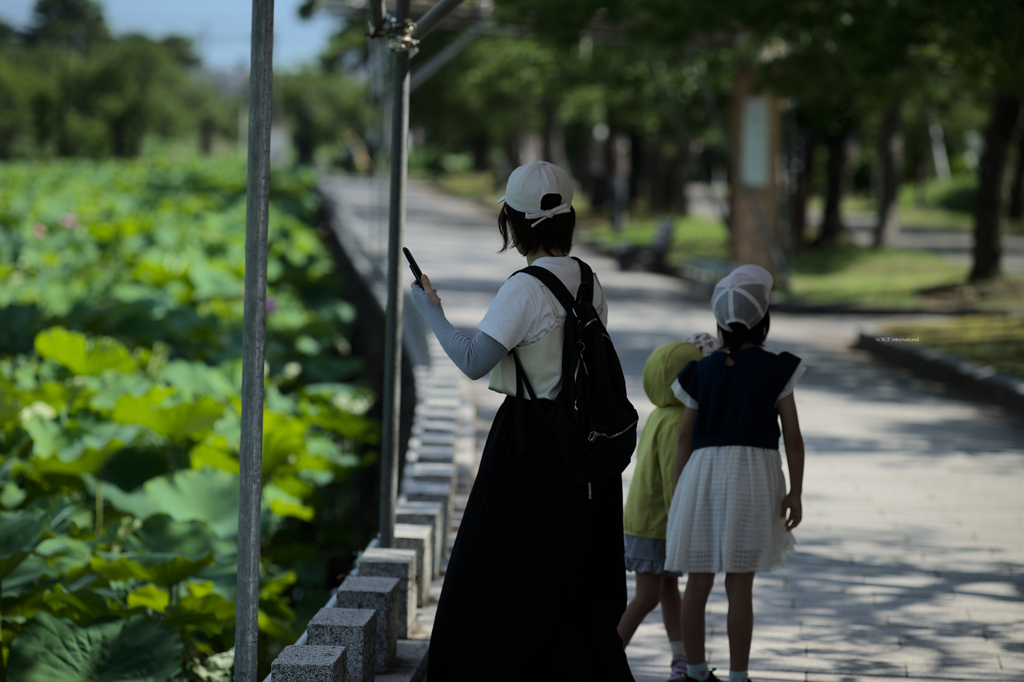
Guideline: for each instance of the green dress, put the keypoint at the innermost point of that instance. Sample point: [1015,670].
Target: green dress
[650,492]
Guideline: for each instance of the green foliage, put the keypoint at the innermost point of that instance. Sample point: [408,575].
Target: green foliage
[138,649]
[120,344]
[68,88]
[325,109]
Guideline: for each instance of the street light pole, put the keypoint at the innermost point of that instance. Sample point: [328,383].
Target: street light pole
[254,337]
[393,315]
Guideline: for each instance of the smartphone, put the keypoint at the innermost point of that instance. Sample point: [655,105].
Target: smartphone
[416,272]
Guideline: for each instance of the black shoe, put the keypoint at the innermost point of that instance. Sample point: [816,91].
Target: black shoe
[710,678]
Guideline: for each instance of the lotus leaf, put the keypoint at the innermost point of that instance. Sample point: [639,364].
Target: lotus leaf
[82,355]
[11,495]
[193,380]
[213,452]
[179,421]
[208,495]
[284,436]
[82,606]
[51,649]
[136,503]
[156,567]
[23,531]
[161,533]
[150,597]
[209,614]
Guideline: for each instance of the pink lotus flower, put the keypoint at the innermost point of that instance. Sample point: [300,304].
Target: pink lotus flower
[69,220]
[39,230]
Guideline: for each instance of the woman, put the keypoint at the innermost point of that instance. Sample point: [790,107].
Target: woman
[535,585]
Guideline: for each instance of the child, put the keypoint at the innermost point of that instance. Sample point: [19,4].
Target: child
[650,493]
[730,512]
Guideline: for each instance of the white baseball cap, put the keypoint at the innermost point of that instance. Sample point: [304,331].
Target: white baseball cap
[528,184]
[742,296]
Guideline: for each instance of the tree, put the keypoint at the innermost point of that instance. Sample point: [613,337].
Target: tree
[74,24]
[322,108]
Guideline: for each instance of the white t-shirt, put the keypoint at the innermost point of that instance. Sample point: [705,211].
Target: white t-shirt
[521,315]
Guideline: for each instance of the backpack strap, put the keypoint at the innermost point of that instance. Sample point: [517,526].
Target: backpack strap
[556,286]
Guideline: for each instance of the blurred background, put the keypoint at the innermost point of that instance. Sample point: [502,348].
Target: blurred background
[870,153]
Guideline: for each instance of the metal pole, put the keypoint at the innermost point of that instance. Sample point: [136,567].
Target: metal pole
[450,52]
[393,323]
[432,17]
[254,339]
[377,15]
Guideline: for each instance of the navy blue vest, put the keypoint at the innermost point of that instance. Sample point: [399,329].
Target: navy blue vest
[736,405]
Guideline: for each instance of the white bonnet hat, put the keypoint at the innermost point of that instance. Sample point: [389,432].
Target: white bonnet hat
[528,184]
[704,342]
[742,296]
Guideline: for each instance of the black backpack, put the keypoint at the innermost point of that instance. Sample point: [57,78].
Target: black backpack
[591,424]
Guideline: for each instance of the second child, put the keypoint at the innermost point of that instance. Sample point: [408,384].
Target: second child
[650,494]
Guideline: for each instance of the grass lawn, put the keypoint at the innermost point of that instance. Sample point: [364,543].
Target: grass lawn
[988,340]
[890,278]
[691,237]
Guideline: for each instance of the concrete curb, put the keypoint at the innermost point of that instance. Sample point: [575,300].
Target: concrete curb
[980,381]
[443,430]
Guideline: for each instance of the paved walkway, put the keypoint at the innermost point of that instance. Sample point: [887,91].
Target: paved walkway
[911,553]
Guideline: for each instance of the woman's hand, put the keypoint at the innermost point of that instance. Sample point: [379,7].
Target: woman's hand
[430,291]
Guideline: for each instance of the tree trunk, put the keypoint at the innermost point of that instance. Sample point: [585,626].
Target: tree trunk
[803,166]
[554,138]
[988,211]
[831,223]
[481,147]
[207,128]
[890,156]
[1016,211]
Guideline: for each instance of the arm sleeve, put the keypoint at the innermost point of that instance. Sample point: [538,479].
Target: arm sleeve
[508,317]
[685,386]
[475,356]
[790,369]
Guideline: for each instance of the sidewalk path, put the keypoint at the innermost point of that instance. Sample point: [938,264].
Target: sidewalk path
[910,559]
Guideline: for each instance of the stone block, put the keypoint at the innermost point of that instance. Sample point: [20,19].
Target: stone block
[435,453]
[307,663]
[421,539]
[353,629]
[426,514]
[431,472]
[410,663]
[380,562]
[381,595]
[415,491]
[437,438]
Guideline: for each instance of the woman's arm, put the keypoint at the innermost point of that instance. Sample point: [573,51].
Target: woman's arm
[684,448]
[474,356]
[795,458]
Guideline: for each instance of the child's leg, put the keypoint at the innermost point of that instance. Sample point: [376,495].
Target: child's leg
[671,607]
[647,591]
[695,599]
[740,587]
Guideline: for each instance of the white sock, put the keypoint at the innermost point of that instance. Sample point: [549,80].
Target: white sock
[677,649]
[737,676]
[697,672]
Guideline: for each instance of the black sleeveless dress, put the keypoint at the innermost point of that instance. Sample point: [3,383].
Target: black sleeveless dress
[536,582]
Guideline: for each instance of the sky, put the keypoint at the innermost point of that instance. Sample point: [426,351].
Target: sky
[219,28]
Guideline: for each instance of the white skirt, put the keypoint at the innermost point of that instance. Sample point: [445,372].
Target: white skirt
[725,513]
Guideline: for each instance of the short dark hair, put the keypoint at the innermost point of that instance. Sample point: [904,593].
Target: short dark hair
[554,234]
[737,334]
